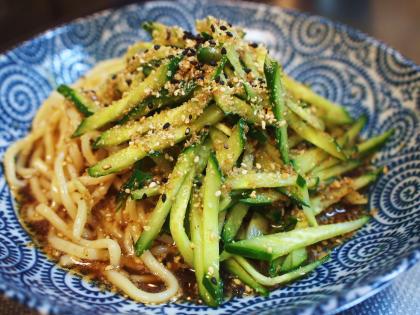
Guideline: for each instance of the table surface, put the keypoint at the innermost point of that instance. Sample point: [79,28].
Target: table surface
[395,23]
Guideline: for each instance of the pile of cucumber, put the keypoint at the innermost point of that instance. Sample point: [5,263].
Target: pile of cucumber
[261,155]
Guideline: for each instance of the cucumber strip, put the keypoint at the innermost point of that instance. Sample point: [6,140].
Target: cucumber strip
[83,104]
[221,219]
[373,144]
[334,195]
[196,229]
[263,280]
[318,138]
[136,95]
[249,63]
[218,139]
[273,76]
[223,128]
[269,247]
[332,113]
[146,192]
[177,218]
[159,141]
[316,159]
[306,115]
[165,35]
[309,159]
[229,152]
[233,221]
[234,105]
[263,180]
[153,103]
[233,58]
[294,194]
[211,195]
[174,117]
[234,268]
[294,260]
[307,206]
[350,136]
[325,164]
[257,226]
[261,198]
[294,140]
[226,202]
[337,170]
[158,216]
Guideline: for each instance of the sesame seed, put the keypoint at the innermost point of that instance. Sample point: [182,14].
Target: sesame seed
[187,131]
[223,51]
[146,228]
[163,197]
[253,45]
[218,193]
[127,191]
[223,28]
[196,159]
[166,125]
[106,166]
[229,34]
[213,29]
[244,172]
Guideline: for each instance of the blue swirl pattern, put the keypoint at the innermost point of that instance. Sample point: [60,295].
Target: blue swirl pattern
[339,63]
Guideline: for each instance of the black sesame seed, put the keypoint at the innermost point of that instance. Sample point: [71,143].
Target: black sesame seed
[212,42]
[212,63]
[222,82]
[223,28]
[223,51]
[229,34]
[156,47]
[128,81]
[253,45]
[166,125]
[201,77]
[213,29]
[193,62]
[187,131]
[164,180]
[114,76]
[191,52]
[146,51]
[185,51]
[164,197]
[247,70]
[174,81]
[213,280]
[150,105]
[190,117]
[144,196]
[217,79]
[198,183]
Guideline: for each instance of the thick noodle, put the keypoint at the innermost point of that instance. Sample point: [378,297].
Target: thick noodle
[52,165]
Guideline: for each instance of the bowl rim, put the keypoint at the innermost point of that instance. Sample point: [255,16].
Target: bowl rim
[379,281]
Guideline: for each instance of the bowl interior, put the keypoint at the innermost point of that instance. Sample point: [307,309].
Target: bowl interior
[340,63]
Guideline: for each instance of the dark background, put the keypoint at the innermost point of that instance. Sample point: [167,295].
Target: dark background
[396,22]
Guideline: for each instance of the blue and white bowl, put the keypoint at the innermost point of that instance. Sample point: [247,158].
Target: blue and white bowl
[346,66]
